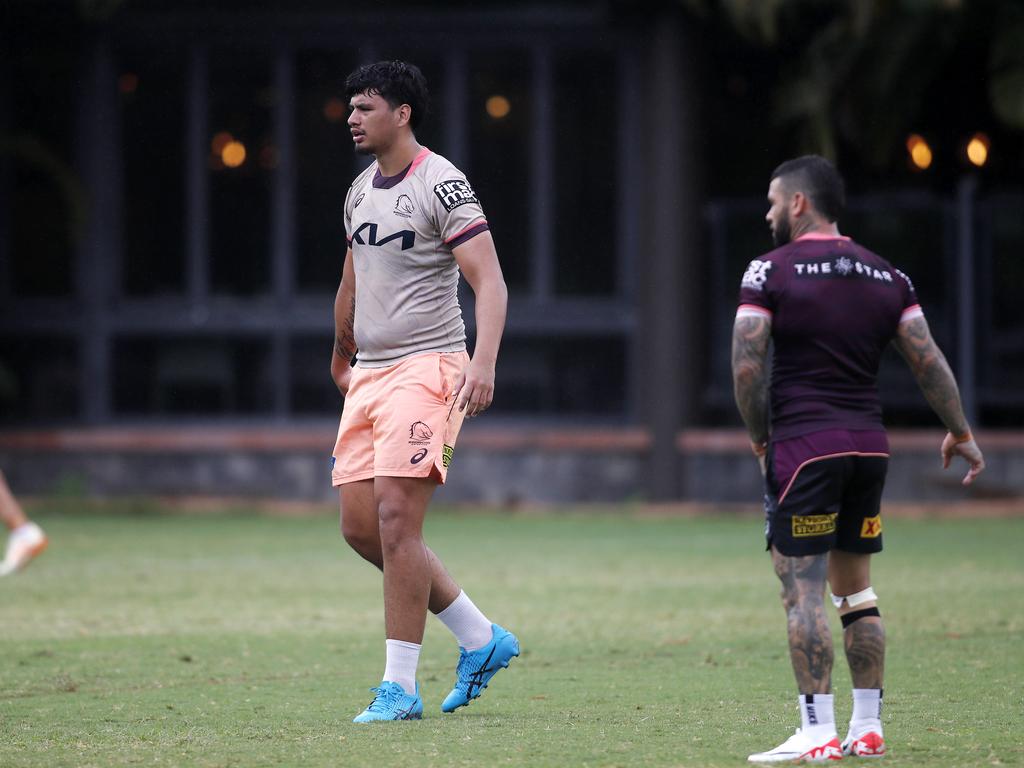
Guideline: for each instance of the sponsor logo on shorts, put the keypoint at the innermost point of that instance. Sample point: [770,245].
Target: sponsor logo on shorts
[454,192]
[418,456]
[813,525]
[333,459]
[420,433]
[404,207]
[446,455]
[871,528]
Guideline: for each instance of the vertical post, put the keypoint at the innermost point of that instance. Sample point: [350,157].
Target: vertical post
[282,236]
[6,186]
[456,124]
[669,254]
[628,204]
[97,124]
[197,278]
[967,189]
[542,181]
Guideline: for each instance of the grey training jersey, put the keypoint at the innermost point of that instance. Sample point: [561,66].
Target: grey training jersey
[401,230]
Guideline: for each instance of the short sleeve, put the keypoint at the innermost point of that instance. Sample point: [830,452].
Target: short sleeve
[349,207]
[757,294]
[911,306]
[455,208]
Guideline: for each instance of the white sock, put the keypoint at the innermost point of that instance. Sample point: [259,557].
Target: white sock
[471,628]
[401,664]
[27,530]
[816,709]
[867,704]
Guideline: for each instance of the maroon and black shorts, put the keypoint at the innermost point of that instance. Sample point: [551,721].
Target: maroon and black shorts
[823,491]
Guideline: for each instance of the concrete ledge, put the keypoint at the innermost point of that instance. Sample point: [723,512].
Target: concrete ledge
[495,465]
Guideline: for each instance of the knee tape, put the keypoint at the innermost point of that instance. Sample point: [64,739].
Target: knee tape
[864,596]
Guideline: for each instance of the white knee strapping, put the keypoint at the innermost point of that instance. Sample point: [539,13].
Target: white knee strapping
[864,596]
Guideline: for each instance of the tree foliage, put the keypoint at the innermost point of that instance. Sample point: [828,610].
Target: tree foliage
[857,70]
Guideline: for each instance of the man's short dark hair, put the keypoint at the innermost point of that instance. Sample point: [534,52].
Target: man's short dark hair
[818,179]
[397,82]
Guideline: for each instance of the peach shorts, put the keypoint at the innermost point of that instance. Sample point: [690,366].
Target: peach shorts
[400,421]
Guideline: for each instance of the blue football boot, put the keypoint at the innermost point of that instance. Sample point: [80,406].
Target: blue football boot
[476,668]
[392,703]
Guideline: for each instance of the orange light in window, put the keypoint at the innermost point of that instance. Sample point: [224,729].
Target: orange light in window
[233,154]
[498,106]
[920,152]
[334,110]
[977,149]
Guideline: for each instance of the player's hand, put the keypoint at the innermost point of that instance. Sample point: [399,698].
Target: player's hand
[341,372]
[475,388]
[969,450]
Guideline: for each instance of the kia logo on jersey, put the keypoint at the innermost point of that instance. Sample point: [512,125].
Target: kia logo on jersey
[407,236]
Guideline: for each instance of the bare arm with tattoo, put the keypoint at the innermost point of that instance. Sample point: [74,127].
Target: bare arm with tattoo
[750,337]
[915,343]
[344,327]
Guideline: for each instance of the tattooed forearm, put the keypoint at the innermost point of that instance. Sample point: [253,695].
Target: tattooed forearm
[810,639]
[934,376]
[864,641]
[750,374]
[344,332]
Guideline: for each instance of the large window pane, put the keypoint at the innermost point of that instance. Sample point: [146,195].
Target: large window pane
[313,392]
[192,376]
[325,162]
[48,209]
[38,379]
[564,377]
[499,129]
[585,169]
[242,159]
[152,96]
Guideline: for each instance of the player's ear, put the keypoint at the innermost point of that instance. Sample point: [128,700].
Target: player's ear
[404,114]
[799,204]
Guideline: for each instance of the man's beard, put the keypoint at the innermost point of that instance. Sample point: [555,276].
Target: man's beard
[361,150]
[781,232]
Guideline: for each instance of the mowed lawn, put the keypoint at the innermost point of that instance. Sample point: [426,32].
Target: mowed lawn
[244,640]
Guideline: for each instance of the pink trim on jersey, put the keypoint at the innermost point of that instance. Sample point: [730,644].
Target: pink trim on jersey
[792,480]
[416,161]
[753,310]
[457,235]
[820,236]
[911,312]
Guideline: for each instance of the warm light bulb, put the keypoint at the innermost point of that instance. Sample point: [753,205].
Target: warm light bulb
[498,107]
[977,149]
[920,152]
[233,154]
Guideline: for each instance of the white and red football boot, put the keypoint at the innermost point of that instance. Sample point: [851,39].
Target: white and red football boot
[817,744]
[864,739]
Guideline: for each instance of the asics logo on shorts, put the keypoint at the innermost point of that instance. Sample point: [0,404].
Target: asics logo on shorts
[418,456]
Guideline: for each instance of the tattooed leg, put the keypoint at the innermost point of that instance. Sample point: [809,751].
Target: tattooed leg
[810,639]
[864,641]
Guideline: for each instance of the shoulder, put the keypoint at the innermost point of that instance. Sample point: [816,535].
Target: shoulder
[869,256]
[365,177]
[765,266]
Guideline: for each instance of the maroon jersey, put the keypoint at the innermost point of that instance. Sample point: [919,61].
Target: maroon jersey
[834,307]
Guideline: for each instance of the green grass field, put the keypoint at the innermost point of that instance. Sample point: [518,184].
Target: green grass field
[244,640]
